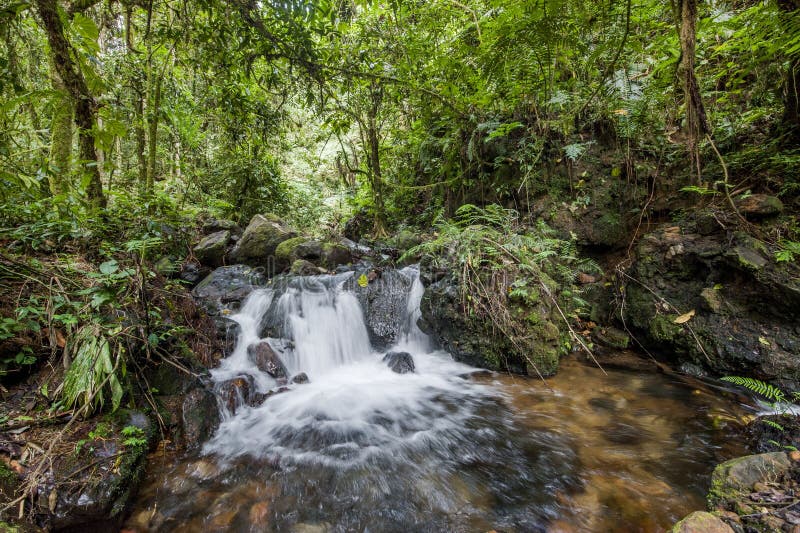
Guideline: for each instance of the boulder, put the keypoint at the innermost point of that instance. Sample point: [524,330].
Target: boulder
[264,357]
[702,522]
[383,295]
[192,273]
[287,252]
[716,300]
[221,224]
[259,242]
[400,362]
[200,417]
[759,206]
[335,254]
[226,287]
[211,248]
[358,226]
[734,480]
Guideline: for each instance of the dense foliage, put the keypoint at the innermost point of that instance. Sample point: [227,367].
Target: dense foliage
[121,122]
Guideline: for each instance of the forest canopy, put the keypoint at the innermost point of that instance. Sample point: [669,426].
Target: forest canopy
[403,110]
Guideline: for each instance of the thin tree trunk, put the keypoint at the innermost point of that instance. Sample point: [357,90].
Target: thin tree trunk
[153,104]
[696,121]
[85,105]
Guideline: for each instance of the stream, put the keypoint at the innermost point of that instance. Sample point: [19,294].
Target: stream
[446,447]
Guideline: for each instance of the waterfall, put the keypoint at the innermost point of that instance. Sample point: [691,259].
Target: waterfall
[354,407]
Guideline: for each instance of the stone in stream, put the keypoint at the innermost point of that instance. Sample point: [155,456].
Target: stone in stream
[302,377]
[200,417]
[400,362]
[733,480]
[236,392]
[260,240]
[702,522]
[264,357]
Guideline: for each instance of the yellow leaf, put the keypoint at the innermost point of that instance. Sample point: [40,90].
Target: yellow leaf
[764,341]
[684,318]
[622,112]
[363,281]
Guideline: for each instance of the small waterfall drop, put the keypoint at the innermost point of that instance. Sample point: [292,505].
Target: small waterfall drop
[354,409]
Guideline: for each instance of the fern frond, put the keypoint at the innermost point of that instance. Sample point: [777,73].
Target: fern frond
[770,392]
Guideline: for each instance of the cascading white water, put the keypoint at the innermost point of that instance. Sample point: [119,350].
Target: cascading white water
[355,408]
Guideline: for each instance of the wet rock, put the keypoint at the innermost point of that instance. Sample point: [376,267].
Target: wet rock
[264,357]
[200,417]
[358,226]
[211,249]
[236,392]
[621,433]
[400,362]
[259,242]
[759,206]
[745,305]
[202,469]
[701,522]
[311,528]
[259,514]
[302,377]
[290,250]
[335,254]
[226,286]
[734,479]
[221,224]
[383,296]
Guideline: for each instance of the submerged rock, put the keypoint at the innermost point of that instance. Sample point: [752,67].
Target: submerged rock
[225,286]
[265,358]
[236,392]
[400,362]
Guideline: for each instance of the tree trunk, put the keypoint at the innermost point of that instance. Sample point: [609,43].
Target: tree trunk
[696,121]
[791,91]
[153,105]
[85,105]
[374,163]
[138,133]
[60,136]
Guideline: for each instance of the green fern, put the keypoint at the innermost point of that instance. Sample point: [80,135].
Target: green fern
[770,392]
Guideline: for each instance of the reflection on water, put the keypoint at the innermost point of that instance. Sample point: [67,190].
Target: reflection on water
[361,448]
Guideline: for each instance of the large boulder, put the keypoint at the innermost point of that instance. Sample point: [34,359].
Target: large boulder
[226,287]
[211,248]
[716,299]
[758,206]
[221,224]
[383,295]
[260,240]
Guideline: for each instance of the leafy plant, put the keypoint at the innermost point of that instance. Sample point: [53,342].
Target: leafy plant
[97,371]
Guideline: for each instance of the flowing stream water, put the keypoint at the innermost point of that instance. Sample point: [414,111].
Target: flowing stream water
[444,448]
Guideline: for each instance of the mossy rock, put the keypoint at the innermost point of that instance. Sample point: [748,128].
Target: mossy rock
[733,480]
[701,522]
[260,240]
[285,252]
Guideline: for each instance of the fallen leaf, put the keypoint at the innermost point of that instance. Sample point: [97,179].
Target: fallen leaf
[684,318]
[363,281]
[764,341]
